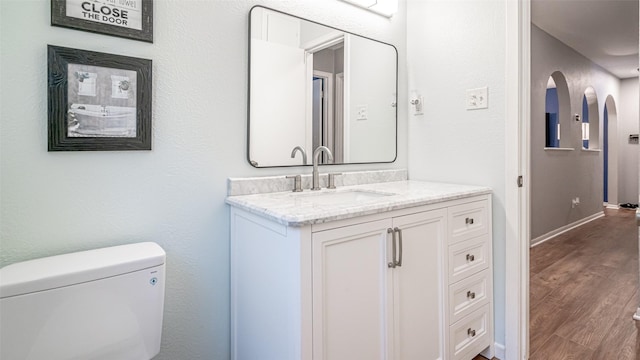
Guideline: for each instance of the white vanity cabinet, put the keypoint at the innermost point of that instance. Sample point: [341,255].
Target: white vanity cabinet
[407,284]
[469,302]
[368,305]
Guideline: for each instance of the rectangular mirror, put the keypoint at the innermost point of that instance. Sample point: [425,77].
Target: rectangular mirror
[313,85]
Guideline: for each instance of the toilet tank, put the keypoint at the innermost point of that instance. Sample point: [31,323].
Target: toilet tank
[97,304]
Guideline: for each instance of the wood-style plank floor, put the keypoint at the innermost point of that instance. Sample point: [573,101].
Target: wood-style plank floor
[584,292]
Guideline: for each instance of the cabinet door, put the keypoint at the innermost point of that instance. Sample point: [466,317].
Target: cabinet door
[418,286]
[351,279]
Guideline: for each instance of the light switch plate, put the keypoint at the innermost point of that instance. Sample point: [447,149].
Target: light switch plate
[418,105]
[477,98]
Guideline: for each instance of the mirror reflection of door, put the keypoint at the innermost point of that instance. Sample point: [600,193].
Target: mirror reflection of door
[327,102]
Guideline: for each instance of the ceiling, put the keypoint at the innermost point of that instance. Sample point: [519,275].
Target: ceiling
[605,31]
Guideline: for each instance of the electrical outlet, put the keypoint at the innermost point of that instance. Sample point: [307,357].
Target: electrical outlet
[362,112]
[575,202]
[477,98]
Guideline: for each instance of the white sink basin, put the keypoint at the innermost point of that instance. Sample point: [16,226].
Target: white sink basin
[340,197]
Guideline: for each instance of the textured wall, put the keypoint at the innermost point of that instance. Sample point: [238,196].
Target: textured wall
[53,203]
[454,46]
[559,176]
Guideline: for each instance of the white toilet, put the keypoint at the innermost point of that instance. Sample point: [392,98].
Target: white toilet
[99,304]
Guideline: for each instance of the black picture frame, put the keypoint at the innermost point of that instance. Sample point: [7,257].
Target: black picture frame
[131,19]
[98,101]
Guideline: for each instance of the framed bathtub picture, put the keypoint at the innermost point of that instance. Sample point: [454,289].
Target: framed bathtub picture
[98,101]
[131,19]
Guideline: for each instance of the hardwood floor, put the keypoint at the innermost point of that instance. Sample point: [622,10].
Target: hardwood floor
[584,292]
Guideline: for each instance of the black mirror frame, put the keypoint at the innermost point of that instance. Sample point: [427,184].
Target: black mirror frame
[253,163]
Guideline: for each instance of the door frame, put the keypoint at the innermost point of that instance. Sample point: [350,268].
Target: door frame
[517,164]
[338,153]
[327,108]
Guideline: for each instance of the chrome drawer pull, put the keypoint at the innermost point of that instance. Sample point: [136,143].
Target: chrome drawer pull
[470,257]
[399,231]
[392,263]
[468,221]
[471,295]
[471,332]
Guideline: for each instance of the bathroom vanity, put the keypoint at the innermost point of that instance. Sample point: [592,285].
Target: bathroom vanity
[388,270]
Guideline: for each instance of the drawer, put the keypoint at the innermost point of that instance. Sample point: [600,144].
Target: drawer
[468,257]
[469,295]
[469,336]
[467,221]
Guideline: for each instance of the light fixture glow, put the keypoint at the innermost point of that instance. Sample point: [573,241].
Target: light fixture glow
[382,7]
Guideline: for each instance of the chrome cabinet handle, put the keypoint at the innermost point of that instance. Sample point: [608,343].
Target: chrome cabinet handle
[471,295]
[399,231]
[470,332]
[468,221]
[396,249]
[470,257]
[392,263]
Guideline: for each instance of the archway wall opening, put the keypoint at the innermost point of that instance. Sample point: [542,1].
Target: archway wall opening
[557,112]
[590,99]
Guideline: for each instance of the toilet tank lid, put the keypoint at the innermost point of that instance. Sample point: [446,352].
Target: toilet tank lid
[74,268]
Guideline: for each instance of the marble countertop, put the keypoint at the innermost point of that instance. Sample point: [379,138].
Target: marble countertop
[298,209]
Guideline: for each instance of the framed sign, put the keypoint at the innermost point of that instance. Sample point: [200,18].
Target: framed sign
[131,19]
[98,101]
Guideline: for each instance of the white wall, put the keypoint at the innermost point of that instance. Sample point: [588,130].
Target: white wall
[559,176]
[454,46]
[56,202]
[628,120]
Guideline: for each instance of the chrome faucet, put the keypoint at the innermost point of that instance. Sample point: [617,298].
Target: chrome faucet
[316,156]
[304,154]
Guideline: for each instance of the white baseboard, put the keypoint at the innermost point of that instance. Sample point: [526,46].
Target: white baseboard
[612,206]
[636,316]
[550,235]
[499,351]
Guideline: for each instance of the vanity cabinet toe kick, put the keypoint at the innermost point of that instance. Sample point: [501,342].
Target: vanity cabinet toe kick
[415,283]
